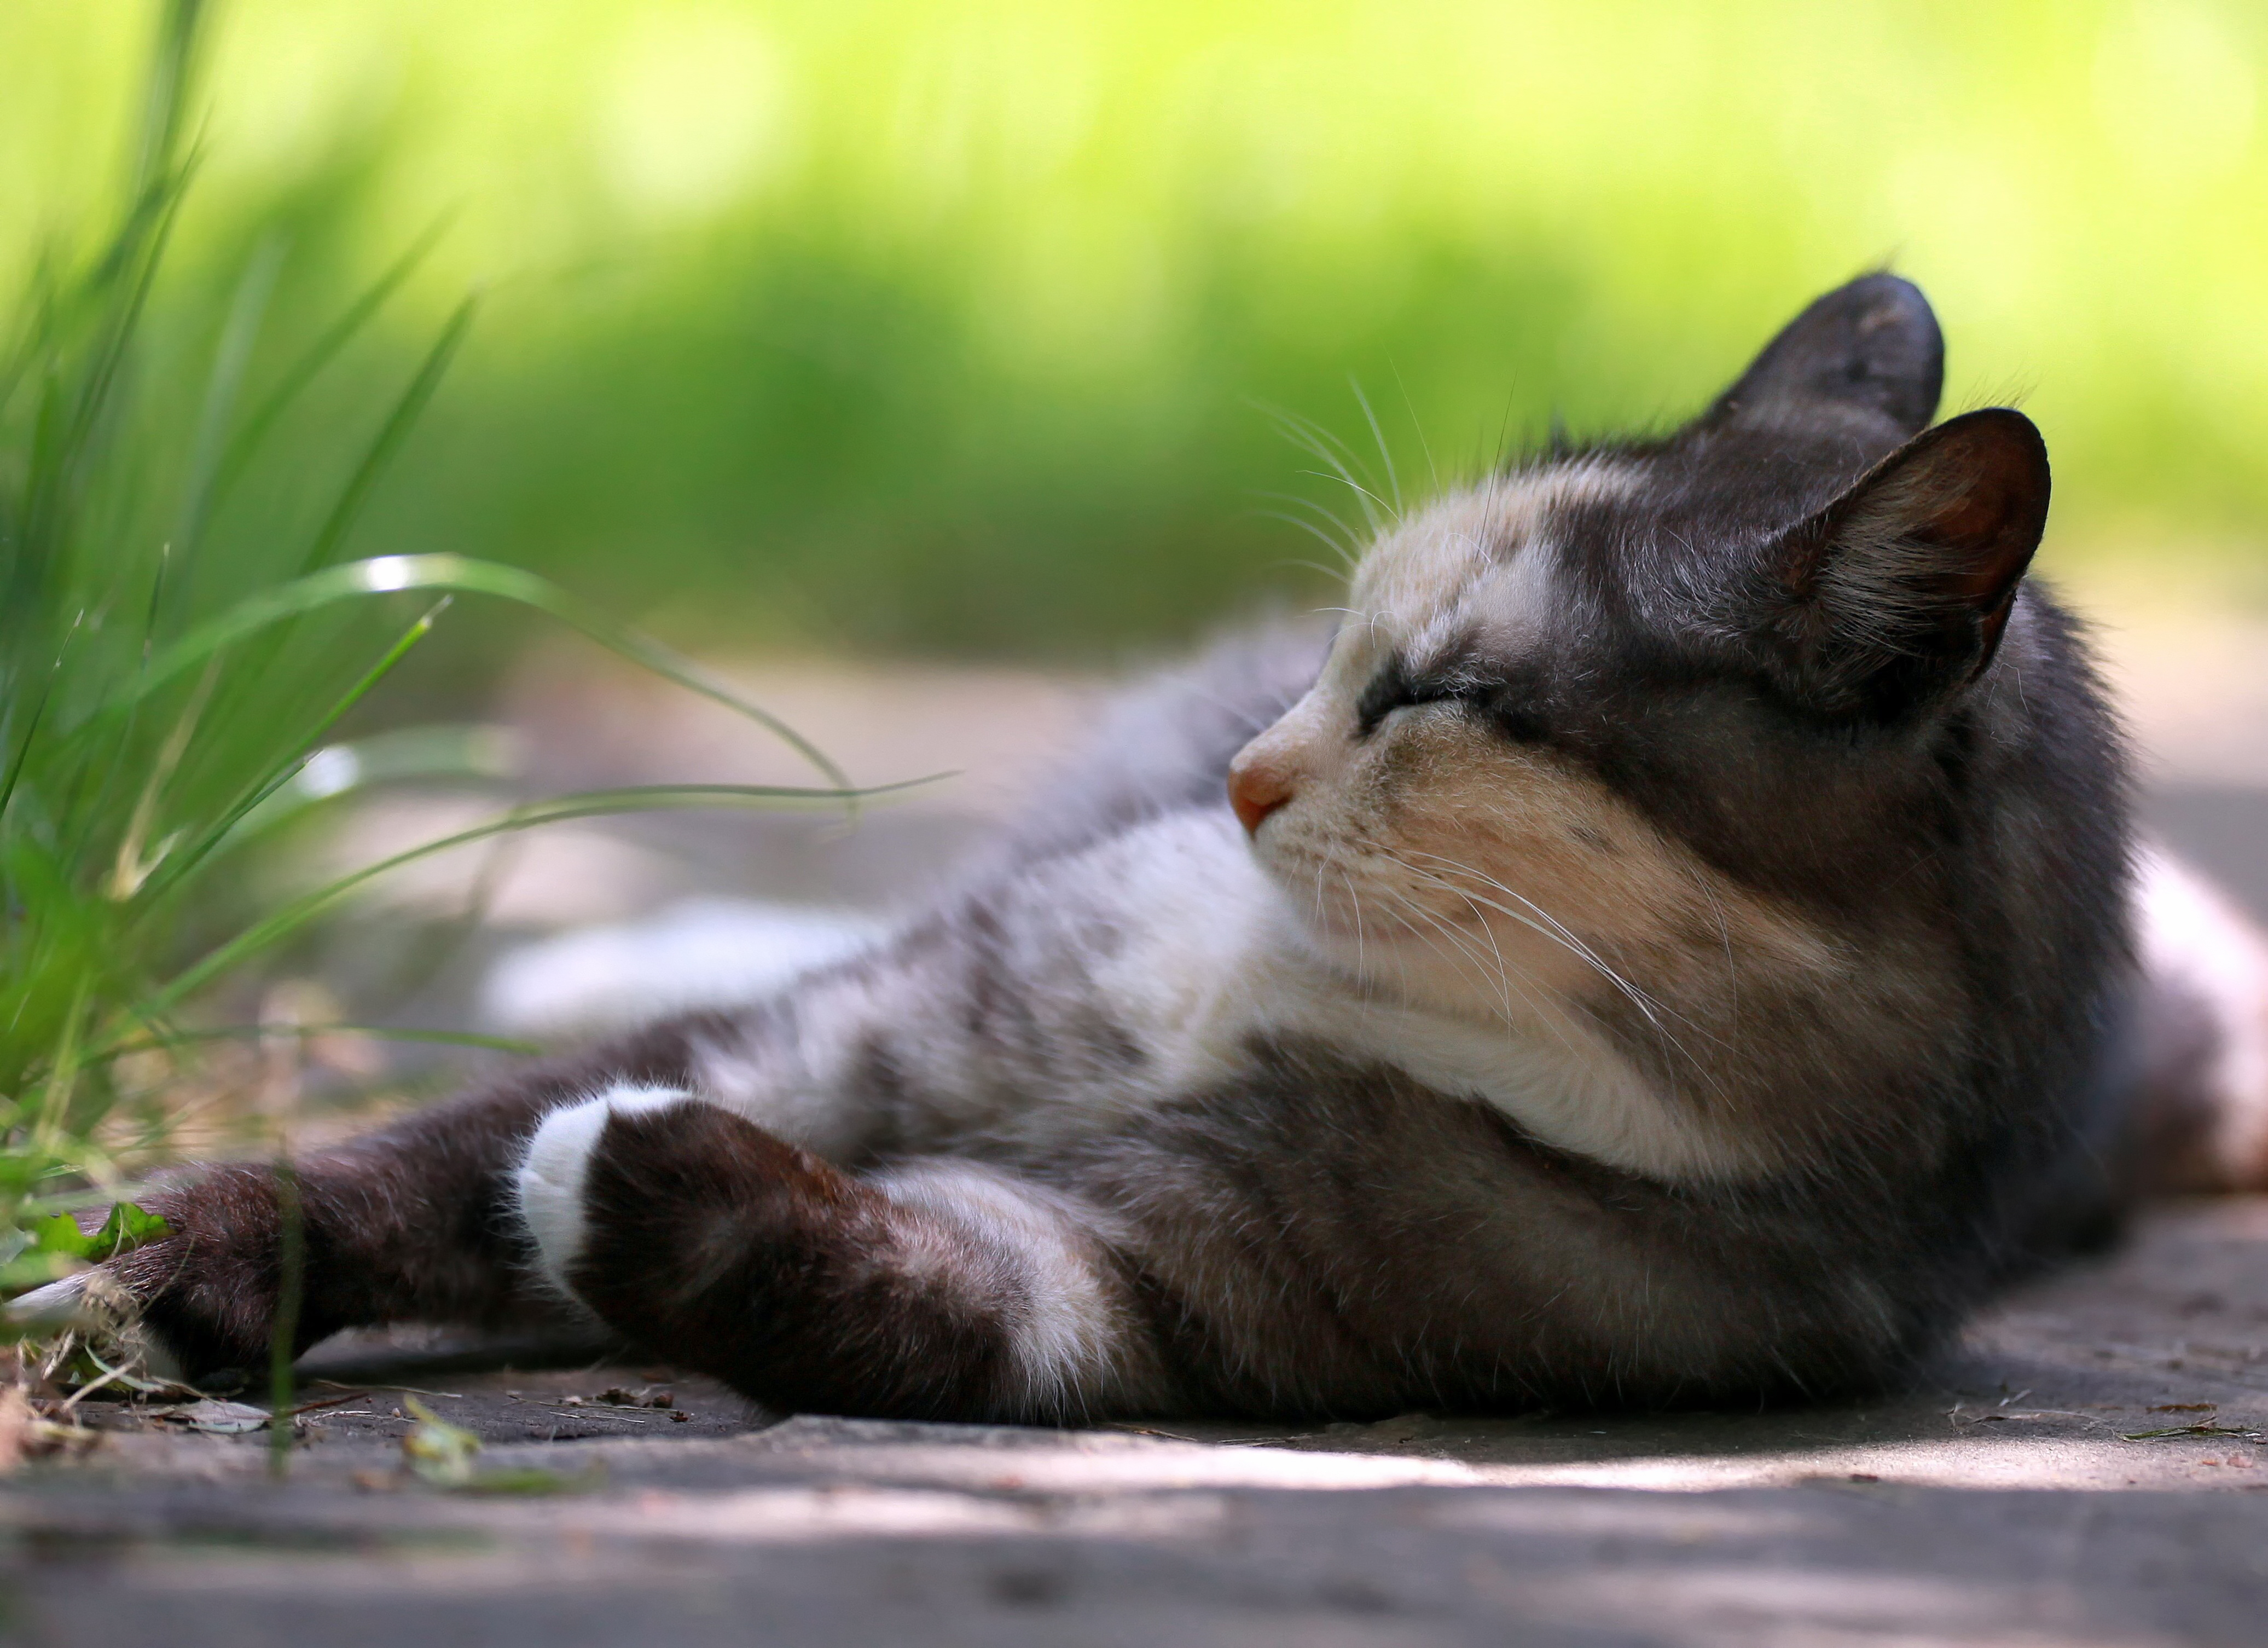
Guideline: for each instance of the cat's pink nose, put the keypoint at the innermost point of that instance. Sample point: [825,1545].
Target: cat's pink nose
[1256,790]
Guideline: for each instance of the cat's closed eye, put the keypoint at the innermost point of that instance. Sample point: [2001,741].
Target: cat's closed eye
[1396,687]
[1499,705]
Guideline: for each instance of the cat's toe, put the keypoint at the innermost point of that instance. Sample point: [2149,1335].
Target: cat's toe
[548,1187]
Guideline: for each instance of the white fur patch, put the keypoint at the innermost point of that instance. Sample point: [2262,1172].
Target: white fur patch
[548,1189]
[2192,935]
[1064,1337]
[1419,577]
[1220,957]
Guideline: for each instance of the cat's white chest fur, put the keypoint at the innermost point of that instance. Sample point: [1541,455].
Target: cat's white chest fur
[1217,959]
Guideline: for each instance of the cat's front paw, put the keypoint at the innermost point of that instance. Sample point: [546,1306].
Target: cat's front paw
[201,1300]
[96,1303]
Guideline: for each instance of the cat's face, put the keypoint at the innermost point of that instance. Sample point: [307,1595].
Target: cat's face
[1609,719]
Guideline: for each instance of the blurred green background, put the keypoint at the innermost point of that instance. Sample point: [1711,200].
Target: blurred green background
[948,329]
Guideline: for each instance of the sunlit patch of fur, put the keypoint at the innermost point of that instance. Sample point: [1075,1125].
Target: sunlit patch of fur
[1468,559]
[1063,1324]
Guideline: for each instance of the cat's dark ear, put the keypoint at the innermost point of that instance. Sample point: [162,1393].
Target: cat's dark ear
[1898,592]
[1871,347]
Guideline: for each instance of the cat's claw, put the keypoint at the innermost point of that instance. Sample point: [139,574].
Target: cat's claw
[50,1309]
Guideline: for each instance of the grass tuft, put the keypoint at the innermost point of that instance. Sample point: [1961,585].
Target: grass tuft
[174,654]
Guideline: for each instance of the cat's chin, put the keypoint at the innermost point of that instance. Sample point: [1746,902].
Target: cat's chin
[1403,973]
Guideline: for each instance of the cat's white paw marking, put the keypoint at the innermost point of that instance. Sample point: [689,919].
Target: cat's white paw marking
[550,1184]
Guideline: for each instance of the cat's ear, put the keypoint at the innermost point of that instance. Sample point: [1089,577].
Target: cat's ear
[1872,347]
[1898,592]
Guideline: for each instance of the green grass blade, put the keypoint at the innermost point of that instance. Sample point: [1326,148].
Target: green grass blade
[391,434]
[165,99]
[386,573]
[22,754]
[186,860]
[583,804]
[240,332]
[303,371]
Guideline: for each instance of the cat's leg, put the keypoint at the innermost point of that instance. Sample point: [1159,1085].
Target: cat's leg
[413,1223]
[936,1288]
[1003,1002]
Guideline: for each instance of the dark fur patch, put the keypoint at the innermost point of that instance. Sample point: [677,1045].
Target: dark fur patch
[725,1249]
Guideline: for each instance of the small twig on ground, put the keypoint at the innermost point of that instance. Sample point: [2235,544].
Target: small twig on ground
[2240,1432]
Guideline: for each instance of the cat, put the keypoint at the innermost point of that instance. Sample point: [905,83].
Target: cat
[1675,943]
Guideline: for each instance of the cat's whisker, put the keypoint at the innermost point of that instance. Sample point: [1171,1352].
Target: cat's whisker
[1541,922]
[1373,508]
[1496,959]
[1647,1006]
[1341,545]
[1732,969]
[1441,942]
[1392,480]
[1348,537]
[1558,929]
[1300,561]
[1417,425]
[1323,441]
[1503,977]
[1538,1010]
[1313,437]
[1354,905]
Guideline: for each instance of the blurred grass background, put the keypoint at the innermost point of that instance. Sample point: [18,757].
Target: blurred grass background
[895,325]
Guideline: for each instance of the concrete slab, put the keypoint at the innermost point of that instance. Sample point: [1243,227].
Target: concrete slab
[2018,1496]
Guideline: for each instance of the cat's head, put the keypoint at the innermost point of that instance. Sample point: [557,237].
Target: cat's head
[1627,707]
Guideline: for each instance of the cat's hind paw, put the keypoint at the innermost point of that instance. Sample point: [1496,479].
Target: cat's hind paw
[548,1187]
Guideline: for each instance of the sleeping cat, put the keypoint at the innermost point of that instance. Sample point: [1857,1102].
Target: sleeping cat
[1673,945]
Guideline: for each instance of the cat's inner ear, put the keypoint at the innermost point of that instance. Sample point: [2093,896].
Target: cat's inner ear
[1872,347]
[1899,590]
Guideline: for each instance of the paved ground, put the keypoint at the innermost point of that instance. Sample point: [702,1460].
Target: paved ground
[2019,1497]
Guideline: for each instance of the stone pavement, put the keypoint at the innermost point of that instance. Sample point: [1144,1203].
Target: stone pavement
[2017,1498]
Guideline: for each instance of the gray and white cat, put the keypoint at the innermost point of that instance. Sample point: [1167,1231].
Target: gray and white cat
[1675,944]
